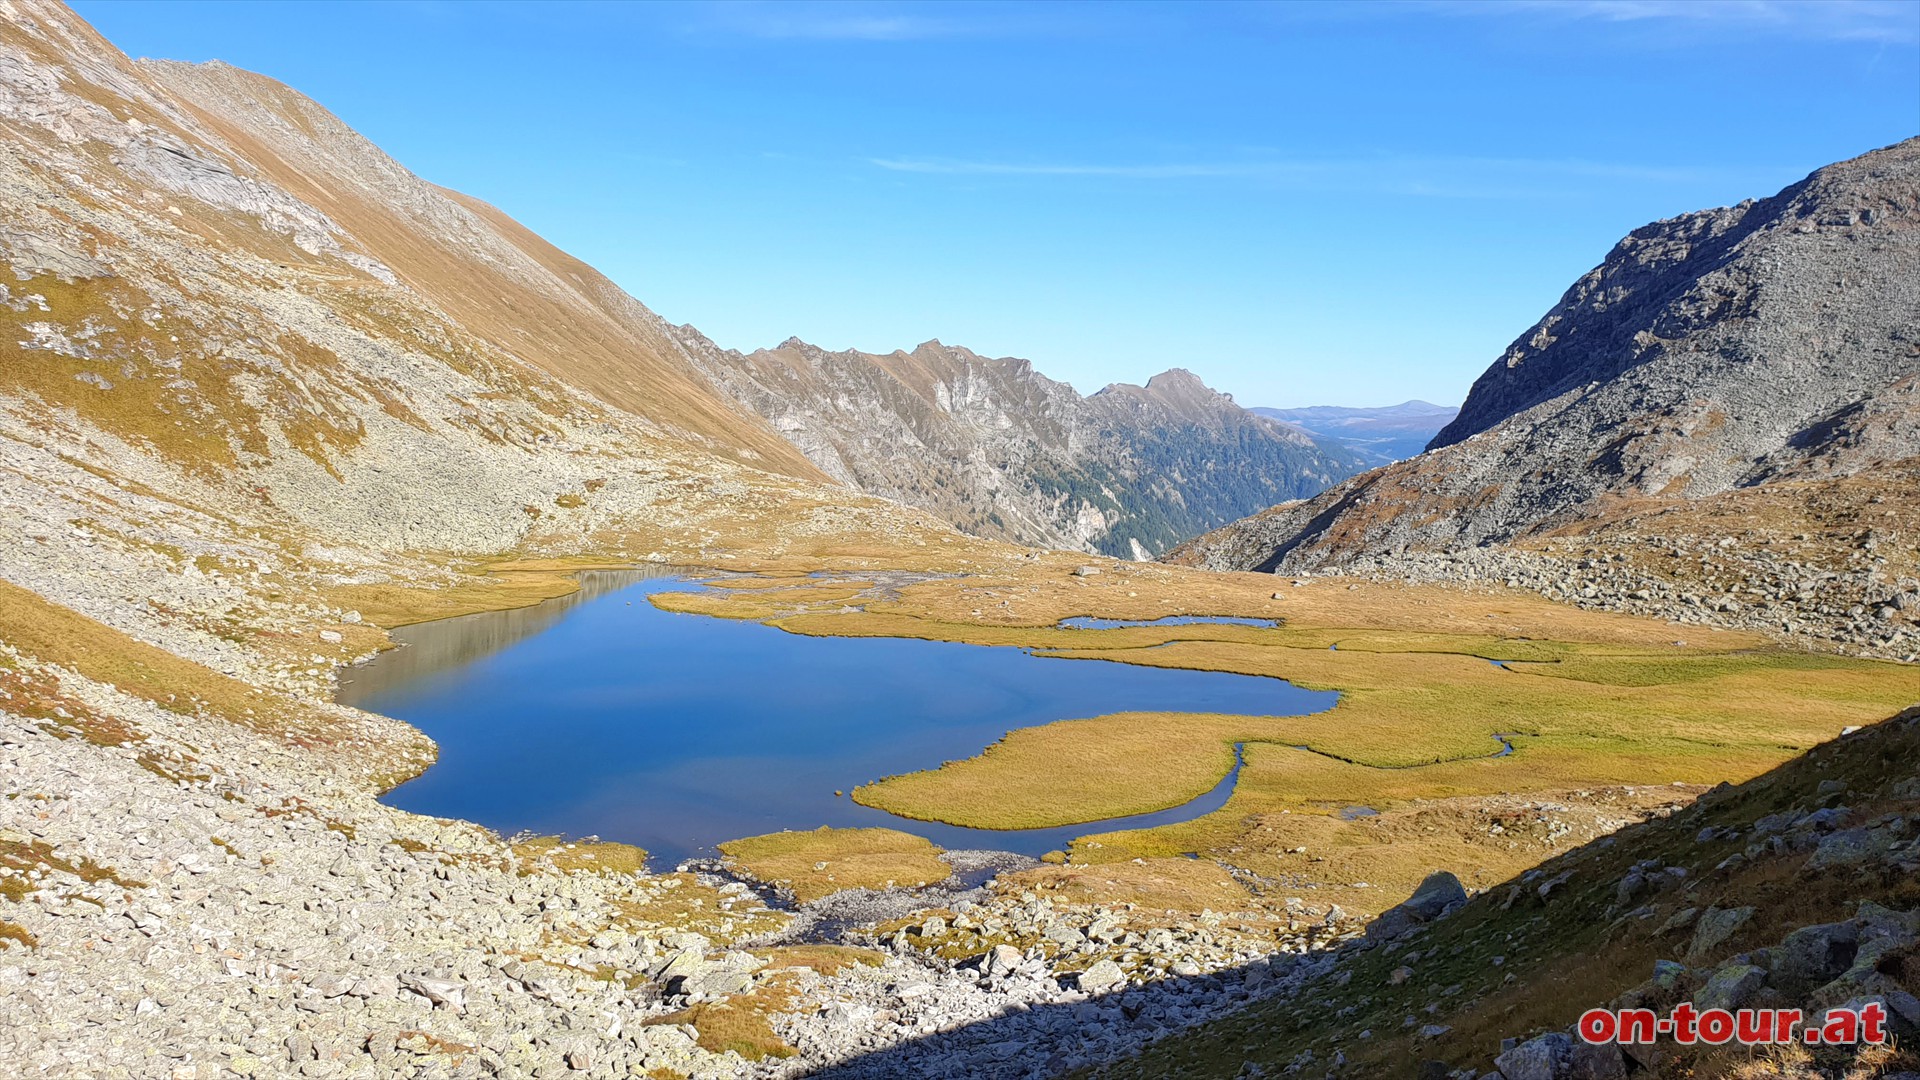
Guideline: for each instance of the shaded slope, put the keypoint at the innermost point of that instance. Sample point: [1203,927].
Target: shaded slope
[1819,841]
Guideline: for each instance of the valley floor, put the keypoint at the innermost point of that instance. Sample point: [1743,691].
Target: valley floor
[201,882]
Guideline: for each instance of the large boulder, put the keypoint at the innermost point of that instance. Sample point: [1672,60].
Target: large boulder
[1714,928]
[1549,1057]
[1814,956]
[1852,847]
[1001,960]
[1731,987]
[1440,891]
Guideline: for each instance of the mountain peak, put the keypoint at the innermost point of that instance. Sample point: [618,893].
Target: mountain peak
[1702,357]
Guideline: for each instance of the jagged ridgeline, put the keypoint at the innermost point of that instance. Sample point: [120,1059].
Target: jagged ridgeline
[999,449]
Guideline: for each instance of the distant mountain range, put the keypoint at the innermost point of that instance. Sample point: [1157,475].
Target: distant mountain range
[1380,436]
[1000,450]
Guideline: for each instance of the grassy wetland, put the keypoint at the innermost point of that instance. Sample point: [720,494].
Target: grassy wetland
[1624,713]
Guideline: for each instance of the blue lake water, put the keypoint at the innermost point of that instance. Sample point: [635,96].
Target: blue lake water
[599,714]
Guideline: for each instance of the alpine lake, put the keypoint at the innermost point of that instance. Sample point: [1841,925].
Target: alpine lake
[599,714]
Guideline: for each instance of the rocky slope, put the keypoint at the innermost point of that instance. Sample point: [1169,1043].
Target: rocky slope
[1380,436]
[1000,450]
[1738,364]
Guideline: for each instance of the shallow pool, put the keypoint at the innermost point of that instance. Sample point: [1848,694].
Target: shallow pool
[1088,622]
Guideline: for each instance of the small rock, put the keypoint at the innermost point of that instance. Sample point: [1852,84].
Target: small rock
[444,993]
[1000,960]
[299,1048]
[1101,977]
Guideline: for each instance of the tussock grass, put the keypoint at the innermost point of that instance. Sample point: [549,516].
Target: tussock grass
[824,861]
[1075,771]
[748,599]
[1184,886]
[1579,720]
[580,856]
[825,959]
[741,1025]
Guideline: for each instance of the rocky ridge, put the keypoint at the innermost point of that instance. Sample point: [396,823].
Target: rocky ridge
[1724,371]
[1001,450]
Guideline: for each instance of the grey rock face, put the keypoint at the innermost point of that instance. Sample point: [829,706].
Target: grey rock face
[1775,340]
[999,449]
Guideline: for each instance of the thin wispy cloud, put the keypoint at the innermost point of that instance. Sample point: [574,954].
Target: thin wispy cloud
[1436,177]
[949,167]
[1882,21]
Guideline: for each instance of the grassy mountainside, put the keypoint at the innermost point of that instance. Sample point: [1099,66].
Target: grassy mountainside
[264,395]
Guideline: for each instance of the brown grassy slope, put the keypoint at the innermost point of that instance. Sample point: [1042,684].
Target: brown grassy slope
[544,307]
[1581,947]
[53,634]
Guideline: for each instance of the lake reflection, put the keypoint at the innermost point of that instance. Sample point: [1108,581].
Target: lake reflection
[600,714]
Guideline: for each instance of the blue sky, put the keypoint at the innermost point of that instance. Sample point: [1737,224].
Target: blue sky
[1305,203]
